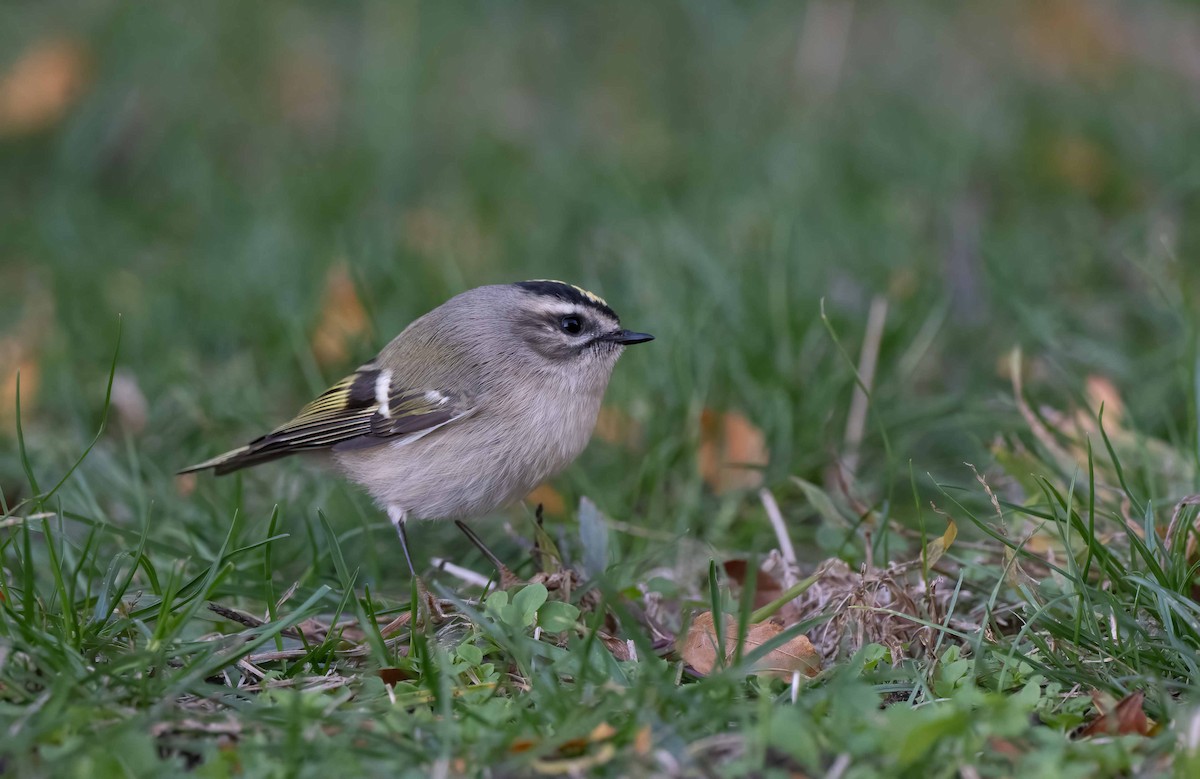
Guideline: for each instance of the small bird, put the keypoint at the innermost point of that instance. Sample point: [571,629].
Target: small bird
[472,406]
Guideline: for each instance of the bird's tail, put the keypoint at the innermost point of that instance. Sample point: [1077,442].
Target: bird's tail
[242,457]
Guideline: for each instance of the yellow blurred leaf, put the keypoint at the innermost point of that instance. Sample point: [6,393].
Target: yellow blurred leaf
[938,546]
[602,732]
[37,89]
[576,766]
[575,756]
[732,451]
[343,318]
[699,647]
[551,500]
[643,742]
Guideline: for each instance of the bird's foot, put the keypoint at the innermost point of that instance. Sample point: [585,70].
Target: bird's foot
[507,577]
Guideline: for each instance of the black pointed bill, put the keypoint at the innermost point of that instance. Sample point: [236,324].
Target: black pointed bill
[627,337]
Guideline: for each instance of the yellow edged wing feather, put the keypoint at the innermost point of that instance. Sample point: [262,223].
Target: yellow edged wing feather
[364,409]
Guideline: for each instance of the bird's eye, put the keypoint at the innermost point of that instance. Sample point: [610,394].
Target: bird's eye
[571,325]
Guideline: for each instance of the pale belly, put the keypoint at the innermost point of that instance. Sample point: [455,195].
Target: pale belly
[473,466]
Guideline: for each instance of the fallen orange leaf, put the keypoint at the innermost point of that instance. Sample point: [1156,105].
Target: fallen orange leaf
[699,648]
[41,85]
[643,741]
[766,587]
[732,451]
[343,318]
[521,745]
[1128,717]
[550,499]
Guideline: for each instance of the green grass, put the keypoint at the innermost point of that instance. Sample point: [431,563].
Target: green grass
[1017,176]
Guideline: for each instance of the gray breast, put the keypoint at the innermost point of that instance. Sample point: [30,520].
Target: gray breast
[473,466]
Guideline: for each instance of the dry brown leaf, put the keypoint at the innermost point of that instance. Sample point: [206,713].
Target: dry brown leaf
[618,648]
[798,654]
[393,676]
[699,647]
[343,318]
[614,426]
[732,451]
[41,85]
[1125,718]
[766,587]
[549,498]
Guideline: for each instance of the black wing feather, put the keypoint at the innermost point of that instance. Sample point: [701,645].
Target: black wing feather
[346,416]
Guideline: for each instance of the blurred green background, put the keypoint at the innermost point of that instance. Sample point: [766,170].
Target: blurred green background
[1000,173]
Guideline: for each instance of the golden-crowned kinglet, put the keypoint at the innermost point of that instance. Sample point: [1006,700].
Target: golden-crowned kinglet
[469,408]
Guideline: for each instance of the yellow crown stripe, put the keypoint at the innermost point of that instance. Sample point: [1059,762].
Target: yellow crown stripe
[592,296]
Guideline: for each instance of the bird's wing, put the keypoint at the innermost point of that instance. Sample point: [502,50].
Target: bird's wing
[366,408]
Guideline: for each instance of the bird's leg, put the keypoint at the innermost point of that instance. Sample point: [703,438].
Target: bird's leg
[507,577]
[398,515]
